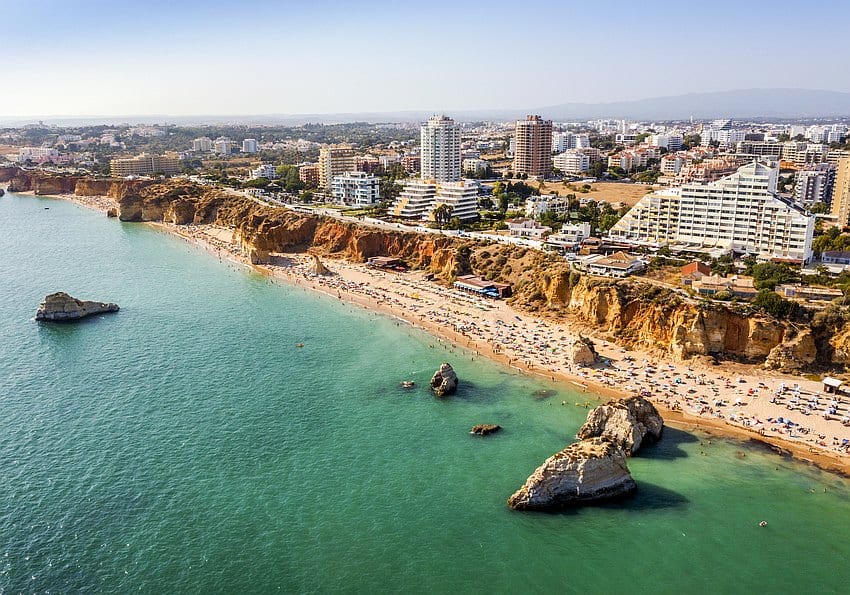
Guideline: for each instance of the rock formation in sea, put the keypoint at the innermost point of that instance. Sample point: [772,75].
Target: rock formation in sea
[587,471]
[61,307]
[444,381]
[630,423]
[318,266]
[581,351]
[484,429]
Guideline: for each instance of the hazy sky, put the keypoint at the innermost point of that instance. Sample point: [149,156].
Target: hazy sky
[183,57]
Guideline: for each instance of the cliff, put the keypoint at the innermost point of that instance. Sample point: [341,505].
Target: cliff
[633,313]
[587,471]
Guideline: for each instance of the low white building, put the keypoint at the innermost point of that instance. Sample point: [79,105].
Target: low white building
[356,189]
[536,206]
[266,171]
[569,237]
[475,166]
[618,265]
[527,228]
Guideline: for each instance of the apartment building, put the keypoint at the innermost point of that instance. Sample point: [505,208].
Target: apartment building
[419,199]
[144,165]
[357,189]
[222,145]
[249,145]
[672,141]
[742,212]
[266,171]
[202,145]
[536,206]
[309,174]
[572,162]
[533,147]
[841,193]
[334,160]
[440,159]
[564,141]
[814,184]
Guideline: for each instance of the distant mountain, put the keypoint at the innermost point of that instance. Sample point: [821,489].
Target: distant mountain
[744,103]
[739,104]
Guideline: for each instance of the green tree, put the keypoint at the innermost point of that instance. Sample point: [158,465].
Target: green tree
[772,303]
[767,275]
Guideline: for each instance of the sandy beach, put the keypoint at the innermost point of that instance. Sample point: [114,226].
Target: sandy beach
[736,400]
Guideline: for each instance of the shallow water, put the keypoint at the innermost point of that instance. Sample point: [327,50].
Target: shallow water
[185,444]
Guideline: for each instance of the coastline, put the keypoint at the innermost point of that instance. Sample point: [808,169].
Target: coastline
[390,295]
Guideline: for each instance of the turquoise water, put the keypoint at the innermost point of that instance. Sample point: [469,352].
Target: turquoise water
[185,444]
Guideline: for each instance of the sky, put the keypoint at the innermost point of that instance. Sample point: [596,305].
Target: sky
[244,57]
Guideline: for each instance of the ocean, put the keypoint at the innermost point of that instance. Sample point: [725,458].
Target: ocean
[187,444]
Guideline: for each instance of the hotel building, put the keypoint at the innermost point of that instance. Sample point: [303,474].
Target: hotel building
[144,165]
[742,212]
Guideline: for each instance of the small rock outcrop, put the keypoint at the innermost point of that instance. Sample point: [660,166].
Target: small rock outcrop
[444,381]
[318,266]
[484,429]
[61,307]
[587,471]
[113,212]
[581,351]
[629,423]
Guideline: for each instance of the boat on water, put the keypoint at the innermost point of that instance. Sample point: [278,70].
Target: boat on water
[408,383]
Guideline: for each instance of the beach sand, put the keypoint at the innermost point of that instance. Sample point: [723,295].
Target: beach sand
[737,400]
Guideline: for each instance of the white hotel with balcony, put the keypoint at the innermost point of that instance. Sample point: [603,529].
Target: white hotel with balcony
[741,212]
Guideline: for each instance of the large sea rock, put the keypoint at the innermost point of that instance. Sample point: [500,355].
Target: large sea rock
[588,471]
[582,351]
[61,307]
[444,381]
[629,423]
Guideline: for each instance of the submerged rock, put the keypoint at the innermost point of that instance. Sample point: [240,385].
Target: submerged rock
[484,429]
[444,381]
[587,471]
[629,423]
[61,307]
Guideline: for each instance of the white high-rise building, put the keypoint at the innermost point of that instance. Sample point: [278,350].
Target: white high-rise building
[357,189]
[742,212]
[222,145]
[202,145]
[440,148]
[249,145]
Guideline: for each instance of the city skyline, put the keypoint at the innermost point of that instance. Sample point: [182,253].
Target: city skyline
[207,58]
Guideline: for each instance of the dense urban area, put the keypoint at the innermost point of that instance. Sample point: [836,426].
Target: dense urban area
[738,211]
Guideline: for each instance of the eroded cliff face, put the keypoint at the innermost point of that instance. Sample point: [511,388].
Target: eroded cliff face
[40,183]
[633,313]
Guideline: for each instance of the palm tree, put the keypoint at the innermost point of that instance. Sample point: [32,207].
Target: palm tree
[442,214]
